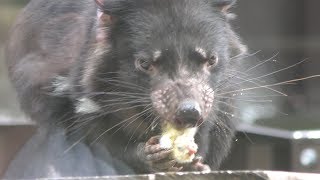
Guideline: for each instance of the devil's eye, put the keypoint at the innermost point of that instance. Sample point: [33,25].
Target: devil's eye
[213,60]
[143,65]
[203,56]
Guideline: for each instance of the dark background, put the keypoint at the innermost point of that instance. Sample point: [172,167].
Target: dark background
[289,29]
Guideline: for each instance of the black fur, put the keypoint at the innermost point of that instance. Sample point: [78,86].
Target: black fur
[58,38]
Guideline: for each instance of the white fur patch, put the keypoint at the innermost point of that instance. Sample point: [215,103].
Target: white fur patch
[86,106]
[184,72]
[201,51]
[198,108]
[156,55]
[61,85]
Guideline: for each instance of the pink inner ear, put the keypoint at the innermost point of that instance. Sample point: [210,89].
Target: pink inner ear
[104,20]
[100,3]
[226,8]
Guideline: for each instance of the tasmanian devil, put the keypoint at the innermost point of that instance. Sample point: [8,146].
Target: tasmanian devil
[112,72]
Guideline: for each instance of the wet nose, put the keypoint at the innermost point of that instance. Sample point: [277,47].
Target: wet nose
[189,112]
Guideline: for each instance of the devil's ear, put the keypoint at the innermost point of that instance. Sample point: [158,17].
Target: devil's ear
[104,12]
[237,48]
[223,5]
[102,6]
[104,19]
[100,3]
[113,7]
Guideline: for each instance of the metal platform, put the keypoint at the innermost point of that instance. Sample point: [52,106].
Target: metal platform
[223,175]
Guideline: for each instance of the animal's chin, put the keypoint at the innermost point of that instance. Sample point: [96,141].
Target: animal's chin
[178,123]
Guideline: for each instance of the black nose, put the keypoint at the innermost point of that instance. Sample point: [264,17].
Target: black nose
[189,112]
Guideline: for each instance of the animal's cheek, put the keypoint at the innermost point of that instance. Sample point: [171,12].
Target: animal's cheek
[206,98]
[165,102]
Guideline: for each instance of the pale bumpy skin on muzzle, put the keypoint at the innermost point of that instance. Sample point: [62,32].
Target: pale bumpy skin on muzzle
[168,99]
[111,74]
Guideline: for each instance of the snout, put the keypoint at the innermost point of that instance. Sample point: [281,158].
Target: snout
[188,113]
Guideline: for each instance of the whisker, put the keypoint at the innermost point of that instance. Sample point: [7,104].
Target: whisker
[121,109]
[124,121]
[132,102]
[136,118]
[274,90]
[119,93]
[151,126]
[228,104]
[223,112]
[121,98]
[246,56]
[125,84]
[135,131]
[271,85]
[262,63]
[274,72]
[255,66]
[251,96]
[77,142]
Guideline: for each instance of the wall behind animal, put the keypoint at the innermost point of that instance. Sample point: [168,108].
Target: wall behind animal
[287,32]
[9,108]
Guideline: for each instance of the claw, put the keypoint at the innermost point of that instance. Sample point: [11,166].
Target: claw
[153,140]
[151,149]
[175,169]
[198,165]
[197,159]
[165,165]
[159,156]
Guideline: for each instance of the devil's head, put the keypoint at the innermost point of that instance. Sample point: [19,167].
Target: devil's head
[172,52]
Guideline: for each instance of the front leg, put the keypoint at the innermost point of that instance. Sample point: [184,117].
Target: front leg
[197,165]
[155,158]
[149,157]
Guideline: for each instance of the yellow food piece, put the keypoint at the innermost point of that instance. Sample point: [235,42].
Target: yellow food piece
[181,141]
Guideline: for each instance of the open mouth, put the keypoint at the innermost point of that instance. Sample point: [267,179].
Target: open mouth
[181,123]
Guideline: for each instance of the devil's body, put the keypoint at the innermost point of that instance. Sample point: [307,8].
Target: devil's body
[77,72]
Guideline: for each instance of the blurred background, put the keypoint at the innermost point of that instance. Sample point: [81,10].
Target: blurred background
[290,31]
[283,32]
[9,108]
